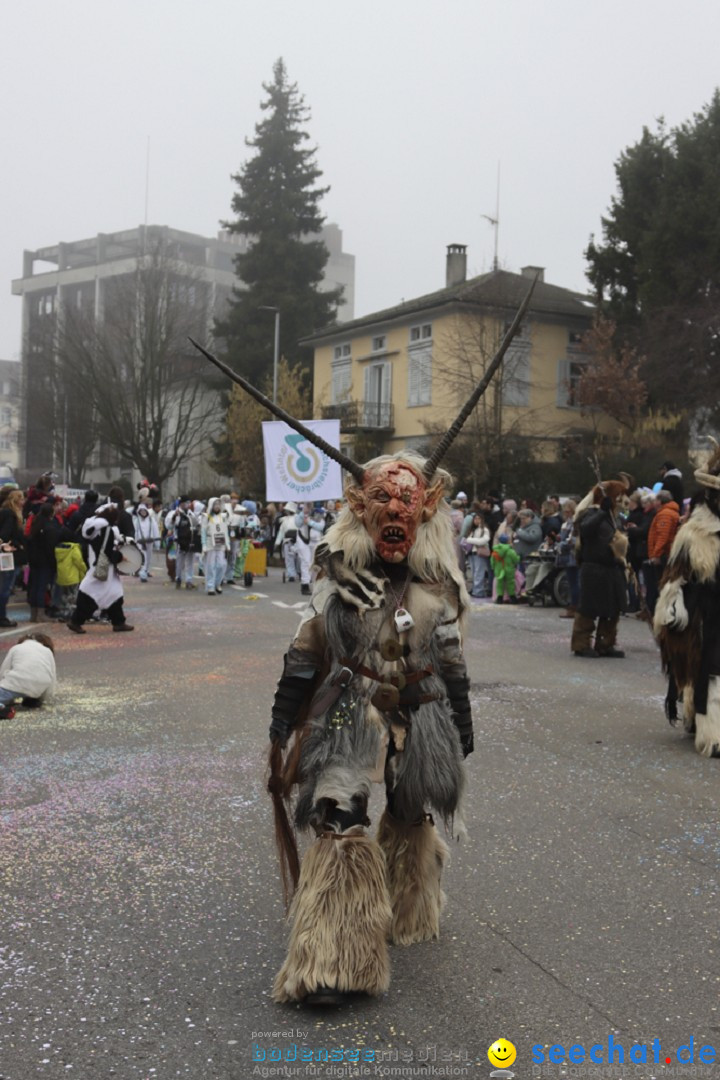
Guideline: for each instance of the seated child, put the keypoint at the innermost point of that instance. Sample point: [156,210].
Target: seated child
[504,560]
[27,672]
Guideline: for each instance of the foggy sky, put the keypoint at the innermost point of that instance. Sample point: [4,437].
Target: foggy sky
[414,103]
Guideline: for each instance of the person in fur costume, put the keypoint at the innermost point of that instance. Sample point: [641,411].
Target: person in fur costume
[687,616]
[374,689]
[603,570]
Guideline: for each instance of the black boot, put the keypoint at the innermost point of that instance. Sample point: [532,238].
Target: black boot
[325,995]
[305,590]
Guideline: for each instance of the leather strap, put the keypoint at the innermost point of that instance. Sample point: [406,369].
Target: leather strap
[341,680]
[410,677]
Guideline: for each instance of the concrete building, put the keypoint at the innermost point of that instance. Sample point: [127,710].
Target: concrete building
[10,417]
[81,274]
[397,377]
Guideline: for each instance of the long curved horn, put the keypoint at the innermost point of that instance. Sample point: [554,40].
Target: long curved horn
[347,463]
[449,437]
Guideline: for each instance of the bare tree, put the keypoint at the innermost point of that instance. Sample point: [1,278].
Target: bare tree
[502,423]
[242,453]
[64,428]
[610,384]
[134,370]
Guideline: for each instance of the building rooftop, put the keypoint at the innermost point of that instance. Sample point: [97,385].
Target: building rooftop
[497,289]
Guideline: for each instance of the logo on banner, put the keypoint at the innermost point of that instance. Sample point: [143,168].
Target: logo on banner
[303,467]
[295,468]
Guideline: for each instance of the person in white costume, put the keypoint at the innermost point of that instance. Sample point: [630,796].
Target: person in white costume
[103,593]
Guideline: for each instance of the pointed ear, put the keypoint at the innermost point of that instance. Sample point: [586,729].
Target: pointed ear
[356,501]
[433,496]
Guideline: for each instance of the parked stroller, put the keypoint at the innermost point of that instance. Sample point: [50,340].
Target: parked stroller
[545,583]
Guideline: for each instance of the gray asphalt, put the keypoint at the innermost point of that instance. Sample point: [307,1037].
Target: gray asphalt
[141,920]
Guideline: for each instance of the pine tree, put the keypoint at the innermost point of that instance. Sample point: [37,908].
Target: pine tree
[278,210]
[657,271]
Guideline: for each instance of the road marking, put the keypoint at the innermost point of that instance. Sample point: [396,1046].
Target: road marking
[292,607]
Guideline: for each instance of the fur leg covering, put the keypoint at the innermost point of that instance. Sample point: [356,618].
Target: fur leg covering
[341,921]
[707,735]
[415,855]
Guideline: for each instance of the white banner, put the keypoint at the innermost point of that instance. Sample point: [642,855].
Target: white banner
[295,469]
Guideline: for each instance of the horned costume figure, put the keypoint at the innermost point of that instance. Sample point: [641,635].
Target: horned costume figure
[687,616]
[374,689]
[376,679]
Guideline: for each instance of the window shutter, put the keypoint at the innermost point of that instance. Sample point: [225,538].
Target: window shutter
[516,380]
[426,377]
[386,384]
[420,376]
[341,382]
[369,388]
[413,380]
[563,383]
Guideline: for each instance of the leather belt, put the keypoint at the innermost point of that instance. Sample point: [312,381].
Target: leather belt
[388,695]
[400,679]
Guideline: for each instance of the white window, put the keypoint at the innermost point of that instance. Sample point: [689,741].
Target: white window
[5,416]
[377,404]
[341,352]
[569,375]
[516,375]
[420,376]
[341,381]
[421,333]
[378,343]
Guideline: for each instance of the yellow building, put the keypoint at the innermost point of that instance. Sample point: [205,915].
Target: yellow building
[397,377]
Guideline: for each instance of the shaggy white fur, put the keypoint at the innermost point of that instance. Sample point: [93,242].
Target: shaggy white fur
[415,856]
[670,609]
[341,921]
[697,541]
[342,783]
[707,735]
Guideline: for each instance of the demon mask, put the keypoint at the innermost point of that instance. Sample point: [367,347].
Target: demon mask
[393,501]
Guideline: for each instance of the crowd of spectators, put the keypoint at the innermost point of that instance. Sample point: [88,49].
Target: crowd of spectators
[500,537]
[499,541]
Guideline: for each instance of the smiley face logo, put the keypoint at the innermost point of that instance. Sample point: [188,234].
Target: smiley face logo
[502,1053]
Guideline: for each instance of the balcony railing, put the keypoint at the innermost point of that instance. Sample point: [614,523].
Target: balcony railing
[361,415]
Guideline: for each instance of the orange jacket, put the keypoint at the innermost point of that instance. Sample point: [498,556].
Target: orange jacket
[662,531]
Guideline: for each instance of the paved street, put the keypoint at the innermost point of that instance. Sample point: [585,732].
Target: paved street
[141,920]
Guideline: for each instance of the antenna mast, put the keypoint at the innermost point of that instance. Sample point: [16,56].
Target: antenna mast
[495,221]
[147,192]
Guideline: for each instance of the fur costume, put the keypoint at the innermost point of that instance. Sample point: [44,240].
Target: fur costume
[603,569]
[379,703]
[687,622]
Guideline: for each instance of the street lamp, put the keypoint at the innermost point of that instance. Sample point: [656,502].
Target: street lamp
[267,307]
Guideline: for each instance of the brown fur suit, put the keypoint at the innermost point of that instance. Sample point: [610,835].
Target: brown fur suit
[355,892]
[687,626]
